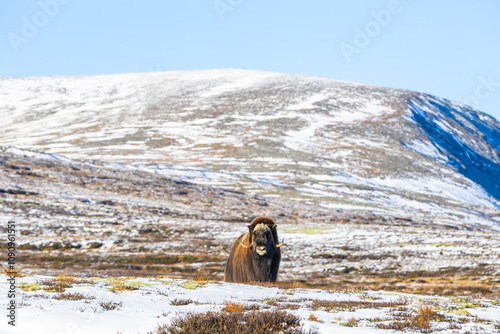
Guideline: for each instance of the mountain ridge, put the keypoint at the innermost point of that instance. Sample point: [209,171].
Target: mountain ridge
[343,145]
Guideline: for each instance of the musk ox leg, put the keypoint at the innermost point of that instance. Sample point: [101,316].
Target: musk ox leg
[228,271]
[275,265]
[227,277]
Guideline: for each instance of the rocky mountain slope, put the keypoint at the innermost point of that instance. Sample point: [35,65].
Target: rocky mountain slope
[83,218]
[346,147]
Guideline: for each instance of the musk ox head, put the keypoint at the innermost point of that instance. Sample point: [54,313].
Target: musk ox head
[263,237]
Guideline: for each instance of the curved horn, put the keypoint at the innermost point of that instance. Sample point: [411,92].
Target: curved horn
[246,246]
[279,245]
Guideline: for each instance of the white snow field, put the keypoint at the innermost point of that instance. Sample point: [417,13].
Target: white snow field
[158,300]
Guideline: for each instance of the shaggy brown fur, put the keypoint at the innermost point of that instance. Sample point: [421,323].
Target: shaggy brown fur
[246,264]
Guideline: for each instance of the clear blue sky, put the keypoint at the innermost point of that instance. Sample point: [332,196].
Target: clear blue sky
[449,48]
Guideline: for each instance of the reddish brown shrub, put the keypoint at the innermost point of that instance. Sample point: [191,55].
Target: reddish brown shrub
[233,322]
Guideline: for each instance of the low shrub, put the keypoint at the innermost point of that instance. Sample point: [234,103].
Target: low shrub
[233,322]
[58,283]
[181,302]
[73,296]
[110,305]
[122,284]
[419,321]
[353,322]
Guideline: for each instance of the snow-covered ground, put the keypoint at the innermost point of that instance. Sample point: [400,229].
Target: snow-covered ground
[146,302]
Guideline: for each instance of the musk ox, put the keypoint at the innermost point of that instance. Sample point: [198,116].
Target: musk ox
[256,255]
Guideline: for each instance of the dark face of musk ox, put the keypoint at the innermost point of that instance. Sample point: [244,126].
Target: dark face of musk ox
[263,243]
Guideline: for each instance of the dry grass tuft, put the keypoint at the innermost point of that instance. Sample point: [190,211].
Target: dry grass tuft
[73,296]
[181,302]
[203,278]
[120,284]
[419,321]
[232,307]
[353,322]
[110,305]
[312,317]
[7,271]
[58,283]
[424,316]
[352,305]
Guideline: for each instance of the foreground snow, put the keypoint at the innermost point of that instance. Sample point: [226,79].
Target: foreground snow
[146,302]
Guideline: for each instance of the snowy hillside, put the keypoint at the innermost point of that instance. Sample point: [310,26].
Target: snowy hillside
[76,217]
[344,146]
[129,306]
[129,191]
